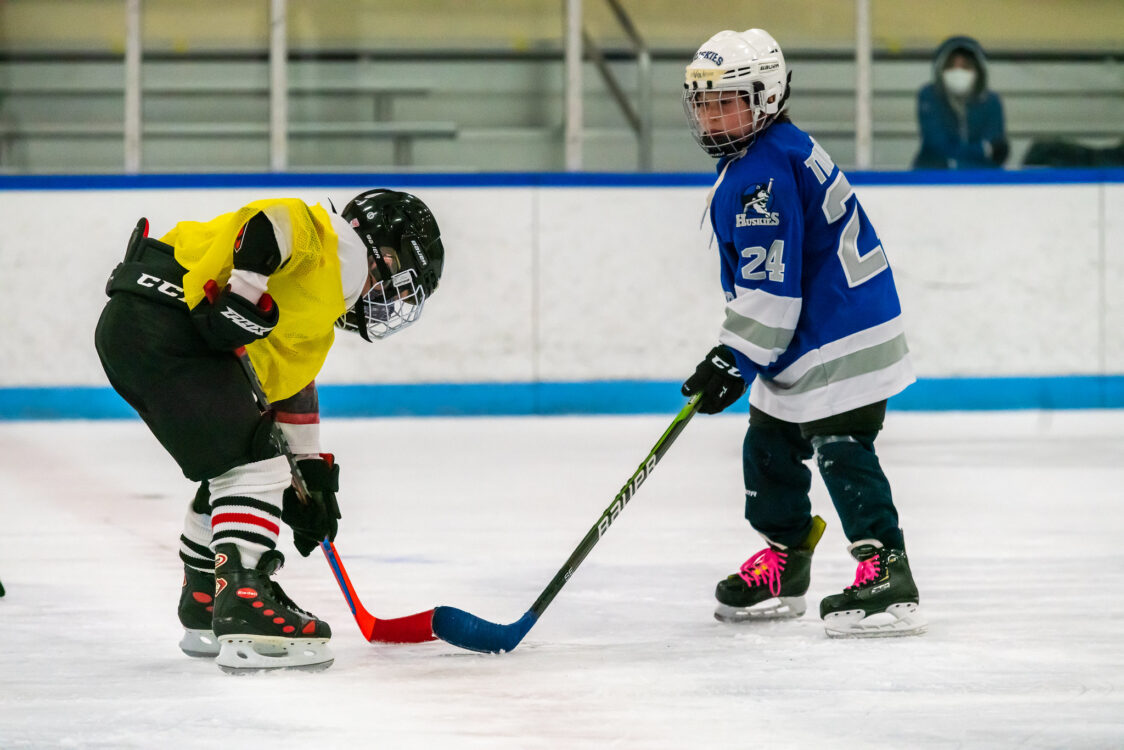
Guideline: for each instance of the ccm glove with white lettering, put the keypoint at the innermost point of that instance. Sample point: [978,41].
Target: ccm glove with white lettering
[318,519]
[718,379]
[227,320]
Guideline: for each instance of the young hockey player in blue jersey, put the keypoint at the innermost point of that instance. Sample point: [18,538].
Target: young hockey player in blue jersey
[813,321]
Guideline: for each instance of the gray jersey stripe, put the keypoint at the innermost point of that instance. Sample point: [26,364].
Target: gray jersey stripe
[872,359]
[757,333]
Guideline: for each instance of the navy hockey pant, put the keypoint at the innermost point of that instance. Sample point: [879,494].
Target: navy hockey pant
[777,479]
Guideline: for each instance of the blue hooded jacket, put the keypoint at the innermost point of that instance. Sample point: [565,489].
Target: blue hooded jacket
[960,133]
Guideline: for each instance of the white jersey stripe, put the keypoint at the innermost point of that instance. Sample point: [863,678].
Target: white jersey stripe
[771,310]
[758,342]
[760,325]
[872,359]
[856,342]
[762,357]
[833,398]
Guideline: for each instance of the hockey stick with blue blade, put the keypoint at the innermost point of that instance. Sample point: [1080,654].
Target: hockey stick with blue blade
[474,633]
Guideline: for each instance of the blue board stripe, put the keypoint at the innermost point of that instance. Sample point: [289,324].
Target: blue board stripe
[587,397]
[528,179]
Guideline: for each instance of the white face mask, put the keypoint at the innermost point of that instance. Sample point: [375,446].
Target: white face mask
[959,81]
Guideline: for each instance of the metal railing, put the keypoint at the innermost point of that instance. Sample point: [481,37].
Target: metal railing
[639,117]
[279,128]
[278,136]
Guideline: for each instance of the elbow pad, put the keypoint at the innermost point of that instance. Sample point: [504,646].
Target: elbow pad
[256,248]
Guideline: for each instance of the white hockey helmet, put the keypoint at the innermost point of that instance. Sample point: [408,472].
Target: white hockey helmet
[735,86]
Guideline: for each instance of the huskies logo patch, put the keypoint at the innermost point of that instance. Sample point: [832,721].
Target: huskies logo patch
[757,205]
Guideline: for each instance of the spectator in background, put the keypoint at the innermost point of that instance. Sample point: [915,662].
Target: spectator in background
[961,120]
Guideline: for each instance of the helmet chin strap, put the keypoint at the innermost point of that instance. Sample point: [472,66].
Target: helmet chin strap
[363,333]
[380,263]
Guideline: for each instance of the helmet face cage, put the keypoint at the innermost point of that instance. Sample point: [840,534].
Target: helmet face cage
[405,258]
[724,122]
[392,299]
[390,306]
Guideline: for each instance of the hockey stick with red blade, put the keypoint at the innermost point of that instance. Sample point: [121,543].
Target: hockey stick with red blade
[410,629]
[474,633]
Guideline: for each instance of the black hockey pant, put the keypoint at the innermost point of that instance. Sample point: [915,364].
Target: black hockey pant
[777,480]
[195,400]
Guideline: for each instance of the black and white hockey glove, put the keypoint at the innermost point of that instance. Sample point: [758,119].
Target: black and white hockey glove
[227,320]
[318,519]
[718,379]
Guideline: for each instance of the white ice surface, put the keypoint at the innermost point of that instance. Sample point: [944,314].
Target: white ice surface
[1014,523]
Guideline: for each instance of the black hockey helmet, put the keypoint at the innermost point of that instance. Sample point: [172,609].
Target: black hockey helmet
[406,259]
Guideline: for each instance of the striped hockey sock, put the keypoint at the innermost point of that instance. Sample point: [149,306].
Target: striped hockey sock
[195,541]
[246,507]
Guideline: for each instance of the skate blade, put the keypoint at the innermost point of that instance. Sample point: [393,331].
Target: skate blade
[777,608]
[199,644]
[897,620]
[248,654]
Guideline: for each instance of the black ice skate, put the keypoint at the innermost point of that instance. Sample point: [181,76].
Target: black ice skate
[771,584]
[257,626]
[882,601]
[197,602]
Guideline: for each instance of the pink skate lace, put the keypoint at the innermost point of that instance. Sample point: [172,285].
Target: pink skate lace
[868,571]
[764,568]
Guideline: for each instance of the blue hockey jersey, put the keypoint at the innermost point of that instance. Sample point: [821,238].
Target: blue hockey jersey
[812,311]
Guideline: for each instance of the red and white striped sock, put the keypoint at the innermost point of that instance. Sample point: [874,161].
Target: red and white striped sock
[246,507]
[302,432]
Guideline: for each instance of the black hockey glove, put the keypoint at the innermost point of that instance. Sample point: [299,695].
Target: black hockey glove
[227,320]
[718,379]
[318,519]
